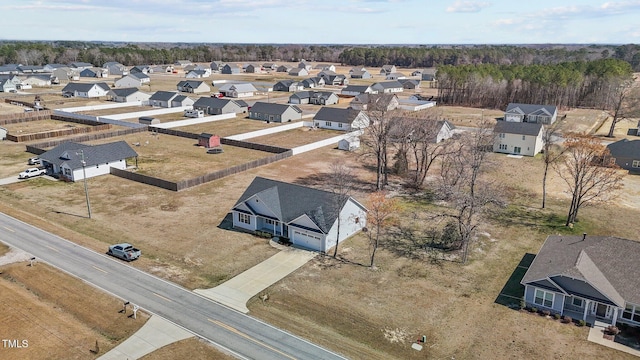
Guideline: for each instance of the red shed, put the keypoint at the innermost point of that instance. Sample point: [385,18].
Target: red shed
[208,140]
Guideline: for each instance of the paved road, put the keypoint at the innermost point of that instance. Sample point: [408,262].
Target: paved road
[243,335]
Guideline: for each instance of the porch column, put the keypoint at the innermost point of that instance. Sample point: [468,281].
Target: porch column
[615,316]
[586,306]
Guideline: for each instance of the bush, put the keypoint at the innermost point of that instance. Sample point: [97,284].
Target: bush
[567,320]
[582,323]
[534,309]
[546,312]
[523,304]
[612,330]
[556,316]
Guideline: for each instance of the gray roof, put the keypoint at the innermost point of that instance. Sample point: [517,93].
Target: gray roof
[124,91]
[337,115]
[93,154]
[163,95]
[531,109]
[388,84]
[358,88]
[139,75]
[215,103]
[79,64]
[191,83]
[179,98]
[625,149]
[520,128]
[84,87]
[609,264]
[272,109]
[290,201]
[240,87]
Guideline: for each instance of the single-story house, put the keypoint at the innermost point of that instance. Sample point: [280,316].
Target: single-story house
[30,69]
[284,68]
[304,65]
[194,67]
[37,80]
[162,99]
[323,67]
[50,67]
[428,76]
[378,101]
[388,87]
[311,218]
[518,138]
[197,74]
[63,75]
[253,69]
[159,69]
[270,66]
[395,76]
[127,95]
[271,112]
[298,72]
[313,82]
[145,69]
[360,74]
[115,68]
[181,100]
[193,86]
[182,63]
[355,90]
[238,90]
[388,69]
[626,154]
[132,80]
[86,90]
[340,119]
[288,85]
[587,278]
[410,84]
[314,97]
[66,159]
[215,106]
[417,72]
[216,66]
[6,85]
[357,68]
[437,130]
[89,73]
[80,65]
[231,69]
[335,79]
[543,114]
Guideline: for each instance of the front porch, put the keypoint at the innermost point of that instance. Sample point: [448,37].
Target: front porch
[590,311]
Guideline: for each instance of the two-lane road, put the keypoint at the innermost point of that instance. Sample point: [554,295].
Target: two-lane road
[242,334]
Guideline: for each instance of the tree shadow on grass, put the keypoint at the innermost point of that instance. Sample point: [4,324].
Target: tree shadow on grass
[323,180]
[513,292]
[540,220]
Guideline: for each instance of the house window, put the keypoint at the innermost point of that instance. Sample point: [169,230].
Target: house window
[270,222]
[636,164]
[632,313]
[524,137]
[244,218]
[577,302]
[327,123]
[503,146]
[339,125]
[543,298]
[501,136]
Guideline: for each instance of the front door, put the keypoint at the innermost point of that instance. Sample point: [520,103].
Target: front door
[601,310]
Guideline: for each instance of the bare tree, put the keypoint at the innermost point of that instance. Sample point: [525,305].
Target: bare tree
[588,171]
[340,183]
[425,147]
[380,216]
[376,136]
[551,153]
[623,101]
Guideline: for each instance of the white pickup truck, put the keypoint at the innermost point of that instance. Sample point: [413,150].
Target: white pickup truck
[31,172]
[124,251]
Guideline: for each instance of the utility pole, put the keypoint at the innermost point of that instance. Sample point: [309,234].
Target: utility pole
[84,175]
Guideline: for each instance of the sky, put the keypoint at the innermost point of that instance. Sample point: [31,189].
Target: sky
[325,21]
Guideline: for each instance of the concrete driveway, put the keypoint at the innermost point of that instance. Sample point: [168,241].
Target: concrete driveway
[14,179]
[236,292]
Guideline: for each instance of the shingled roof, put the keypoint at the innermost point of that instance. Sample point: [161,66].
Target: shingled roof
[337,115]
[520,128]
[68,153]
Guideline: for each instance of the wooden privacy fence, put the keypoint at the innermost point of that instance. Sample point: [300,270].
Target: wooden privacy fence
[185,184]
[87,137]
[56,133]
[254,146]
[25,117]
[19,102]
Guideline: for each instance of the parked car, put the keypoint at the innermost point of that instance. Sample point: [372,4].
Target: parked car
[31,172]
[124,251]
[34,161]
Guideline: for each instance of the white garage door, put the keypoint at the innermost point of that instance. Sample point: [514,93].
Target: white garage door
[307,240]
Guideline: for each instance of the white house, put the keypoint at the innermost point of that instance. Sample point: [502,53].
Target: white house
[86,90]
[388,87]
[544,114]
[127,95]
[238,90]
[132,80]
[340,119]
[66,159]
[518,138]
[276,207]
[162,99]
[355,90]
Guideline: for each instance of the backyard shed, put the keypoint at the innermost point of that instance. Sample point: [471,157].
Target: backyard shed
[148,120]
[349,143]
[208,140]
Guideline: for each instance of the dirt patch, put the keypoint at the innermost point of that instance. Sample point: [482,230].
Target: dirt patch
[193,348]
[12,255]
[58,316]
[238,125]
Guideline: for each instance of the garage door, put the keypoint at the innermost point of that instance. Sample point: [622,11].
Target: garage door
[310,241]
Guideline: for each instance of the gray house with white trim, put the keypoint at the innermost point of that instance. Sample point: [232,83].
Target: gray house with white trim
[271,112]
[215,106]
[309,217]
[543,114]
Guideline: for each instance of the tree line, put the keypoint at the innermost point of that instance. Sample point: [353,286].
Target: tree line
[567,84]
[97,53]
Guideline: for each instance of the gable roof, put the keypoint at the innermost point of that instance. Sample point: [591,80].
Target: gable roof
[241,87]
[163,95]
[337,115]
[531,109]
[124,91]
[520,128]
[85,87]
[607,263]
[215,103]
[289,201]
[93,154]
[357,88]
[625,149]
[394,84]
[190,83]
[139,75]
[272,108]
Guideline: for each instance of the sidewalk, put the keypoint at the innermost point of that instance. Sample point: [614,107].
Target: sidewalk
[596,335]
[156,333]
[236,292]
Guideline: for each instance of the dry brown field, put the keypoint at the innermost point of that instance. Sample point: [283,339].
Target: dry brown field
[39,126]
[238,125]
[192,348]
[296,137]
[59,316]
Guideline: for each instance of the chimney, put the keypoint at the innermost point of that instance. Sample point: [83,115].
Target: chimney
[584,236]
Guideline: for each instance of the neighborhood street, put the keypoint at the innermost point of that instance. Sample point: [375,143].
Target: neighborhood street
[240,334]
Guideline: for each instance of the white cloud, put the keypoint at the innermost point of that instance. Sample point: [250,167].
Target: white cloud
[468,6]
